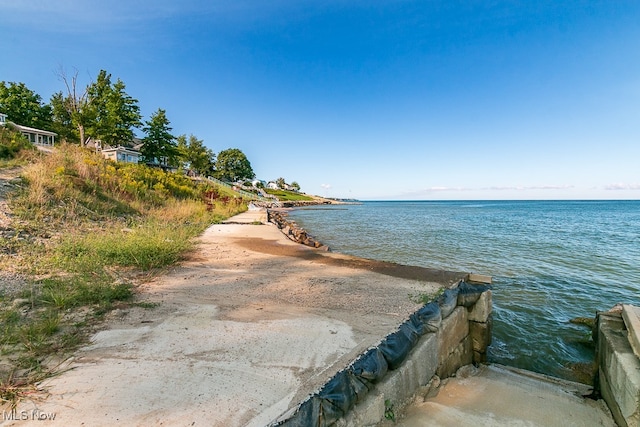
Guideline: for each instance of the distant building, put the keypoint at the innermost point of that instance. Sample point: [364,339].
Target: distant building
[122,154]
[35,136]
[127,153]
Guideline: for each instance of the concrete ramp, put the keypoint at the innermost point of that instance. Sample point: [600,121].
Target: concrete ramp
[252,216]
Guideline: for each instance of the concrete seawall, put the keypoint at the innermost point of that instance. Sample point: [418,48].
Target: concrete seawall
[463,338]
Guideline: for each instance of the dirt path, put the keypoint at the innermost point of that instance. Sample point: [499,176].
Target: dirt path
[10,282]
[8,181]
[245,329]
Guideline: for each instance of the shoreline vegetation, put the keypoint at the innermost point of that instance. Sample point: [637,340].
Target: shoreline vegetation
[83,232]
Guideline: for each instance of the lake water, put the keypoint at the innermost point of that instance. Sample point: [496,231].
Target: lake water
[551,261]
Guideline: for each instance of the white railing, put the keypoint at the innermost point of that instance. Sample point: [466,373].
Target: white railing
[247,194]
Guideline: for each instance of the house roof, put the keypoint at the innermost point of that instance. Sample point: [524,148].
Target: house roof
[34,130]
[121,149]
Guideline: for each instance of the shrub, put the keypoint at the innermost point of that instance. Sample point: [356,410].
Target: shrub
[11,143]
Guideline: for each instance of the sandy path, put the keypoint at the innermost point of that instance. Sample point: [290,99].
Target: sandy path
[245,329]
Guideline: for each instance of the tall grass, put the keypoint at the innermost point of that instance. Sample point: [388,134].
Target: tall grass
[147,246]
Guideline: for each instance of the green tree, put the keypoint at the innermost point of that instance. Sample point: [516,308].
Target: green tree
[280,182]
[295,186]
[159,145]
[111,114]
[62,120]
[195,155]
[102,111]
[232,165]
[23,106]
[182,148]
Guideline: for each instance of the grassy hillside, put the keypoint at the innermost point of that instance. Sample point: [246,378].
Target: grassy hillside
[288,196]
[83,228]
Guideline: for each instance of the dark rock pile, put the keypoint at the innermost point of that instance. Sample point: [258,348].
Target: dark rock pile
[292,230]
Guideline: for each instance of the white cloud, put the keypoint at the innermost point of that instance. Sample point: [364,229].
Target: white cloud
[435,189]
[622,186]
[530,188]
[326,186]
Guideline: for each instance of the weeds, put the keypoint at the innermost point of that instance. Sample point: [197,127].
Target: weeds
[425,297]
[389,413]
[13,147]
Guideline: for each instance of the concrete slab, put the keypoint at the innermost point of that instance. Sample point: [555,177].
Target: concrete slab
[498,396]
[246,328]
[252,216]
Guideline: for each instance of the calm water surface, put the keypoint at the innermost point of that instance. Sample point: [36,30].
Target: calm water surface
[551,261]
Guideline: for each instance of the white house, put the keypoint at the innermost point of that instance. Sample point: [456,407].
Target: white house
[121,154]
[35,136]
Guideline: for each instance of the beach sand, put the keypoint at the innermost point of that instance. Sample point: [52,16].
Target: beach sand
[496,396]
[248,326]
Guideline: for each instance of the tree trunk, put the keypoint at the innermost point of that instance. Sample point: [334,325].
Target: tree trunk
[81,132]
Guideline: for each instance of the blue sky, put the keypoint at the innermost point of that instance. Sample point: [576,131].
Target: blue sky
[369,99]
